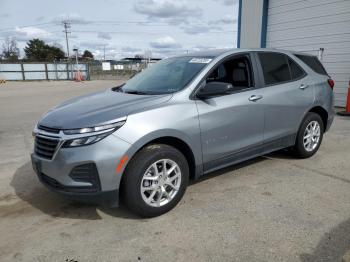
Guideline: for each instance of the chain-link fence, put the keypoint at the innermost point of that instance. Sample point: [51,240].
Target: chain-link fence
[110,71]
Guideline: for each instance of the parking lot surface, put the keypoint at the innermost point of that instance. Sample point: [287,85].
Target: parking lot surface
[273,208]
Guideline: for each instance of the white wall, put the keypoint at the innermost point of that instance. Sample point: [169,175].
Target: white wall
[251,20]
[312,24]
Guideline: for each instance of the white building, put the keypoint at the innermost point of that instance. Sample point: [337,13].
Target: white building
[321,27]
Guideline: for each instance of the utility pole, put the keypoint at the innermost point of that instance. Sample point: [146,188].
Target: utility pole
[67,26]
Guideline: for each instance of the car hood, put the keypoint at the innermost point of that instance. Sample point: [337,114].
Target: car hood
[98,108]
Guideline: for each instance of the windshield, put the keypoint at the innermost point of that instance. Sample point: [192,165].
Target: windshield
[167,76]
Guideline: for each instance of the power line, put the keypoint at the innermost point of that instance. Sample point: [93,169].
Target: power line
[67,26]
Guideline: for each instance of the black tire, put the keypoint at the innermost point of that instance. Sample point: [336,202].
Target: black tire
[299,148]
[135,170]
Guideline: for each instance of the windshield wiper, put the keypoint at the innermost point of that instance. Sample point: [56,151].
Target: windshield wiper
[118,88]
[136,92]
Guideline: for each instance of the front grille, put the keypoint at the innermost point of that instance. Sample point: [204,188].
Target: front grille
[45,147]
[49,129]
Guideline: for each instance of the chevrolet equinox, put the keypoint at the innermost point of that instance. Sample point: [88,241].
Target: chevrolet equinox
[179,119]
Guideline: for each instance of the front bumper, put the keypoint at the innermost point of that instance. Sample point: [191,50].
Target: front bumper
[105,198]
[104,156]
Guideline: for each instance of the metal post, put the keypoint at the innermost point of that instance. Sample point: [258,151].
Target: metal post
[67,71]
[77,63]
[76,57]
[46,72]
[72,70]
[87,71]
[320,54]
[22,69]
[56,73]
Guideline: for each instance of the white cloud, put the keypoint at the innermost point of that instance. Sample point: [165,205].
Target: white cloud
[166,42]
[228,19]
[5,15]
[201,27]
[104,35]
[128,49]
[201,48]
[73,18]
[166,8]
[93,45]
[40,18]
[228,2]
[30,32]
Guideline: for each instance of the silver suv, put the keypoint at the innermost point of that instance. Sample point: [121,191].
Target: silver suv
[180,119]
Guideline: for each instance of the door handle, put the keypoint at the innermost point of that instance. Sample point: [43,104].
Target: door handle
[303,86]
[254,98]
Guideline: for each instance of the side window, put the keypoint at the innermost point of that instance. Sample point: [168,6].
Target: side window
[275,68]
[295,70]
[313,63]
[236,71]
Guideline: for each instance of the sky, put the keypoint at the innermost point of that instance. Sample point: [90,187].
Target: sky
[123,28]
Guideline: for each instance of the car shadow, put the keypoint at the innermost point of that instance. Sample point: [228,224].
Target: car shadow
[28,188]
[228,169]
[281,154]
[333,245]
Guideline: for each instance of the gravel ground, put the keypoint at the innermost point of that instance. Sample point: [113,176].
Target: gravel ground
[273,208]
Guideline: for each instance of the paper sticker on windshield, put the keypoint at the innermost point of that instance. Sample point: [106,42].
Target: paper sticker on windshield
[200,60]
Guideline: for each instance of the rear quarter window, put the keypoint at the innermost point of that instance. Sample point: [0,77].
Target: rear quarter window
[275,68]
[313,63]
[279,68]
[295,70]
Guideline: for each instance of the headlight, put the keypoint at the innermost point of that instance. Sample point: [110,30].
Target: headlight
[84,141]
[106,128]
[104,131]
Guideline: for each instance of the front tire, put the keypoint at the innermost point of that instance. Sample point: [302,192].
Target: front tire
[155,180]
[309,136]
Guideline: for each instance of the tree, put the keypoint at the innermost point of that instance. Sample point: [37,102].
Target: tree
[87,55]
[10,51]
[54,53]
[37,50]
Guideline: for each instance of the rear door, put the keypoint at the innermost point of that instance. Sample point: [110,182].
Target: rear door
[287,96]
[231,125]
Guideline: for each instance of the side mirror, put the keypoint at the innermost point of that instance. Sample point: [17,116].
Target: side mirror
[214,89]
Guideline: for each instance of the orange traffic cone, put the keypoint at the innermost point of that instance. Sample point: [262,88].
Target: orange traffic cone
[78,76]
[347,108]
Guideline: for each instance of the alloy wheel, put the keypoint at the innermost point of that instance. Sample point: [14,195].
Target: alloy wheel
[160,182]
[311,136]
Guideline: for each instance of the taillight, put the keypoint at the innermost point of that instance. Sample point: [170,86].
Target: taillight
[330,83]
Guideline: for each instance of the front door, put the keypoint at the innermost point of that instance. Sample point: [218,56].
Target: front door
[231,125]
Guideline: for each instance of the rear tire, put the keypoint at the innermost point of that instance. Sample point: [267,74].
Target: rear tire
[309,136]
[148,188]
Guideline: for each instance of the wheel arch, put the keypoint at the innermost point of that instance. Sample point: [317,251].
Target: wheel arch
[191,151]
[180,145]
[322,113]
